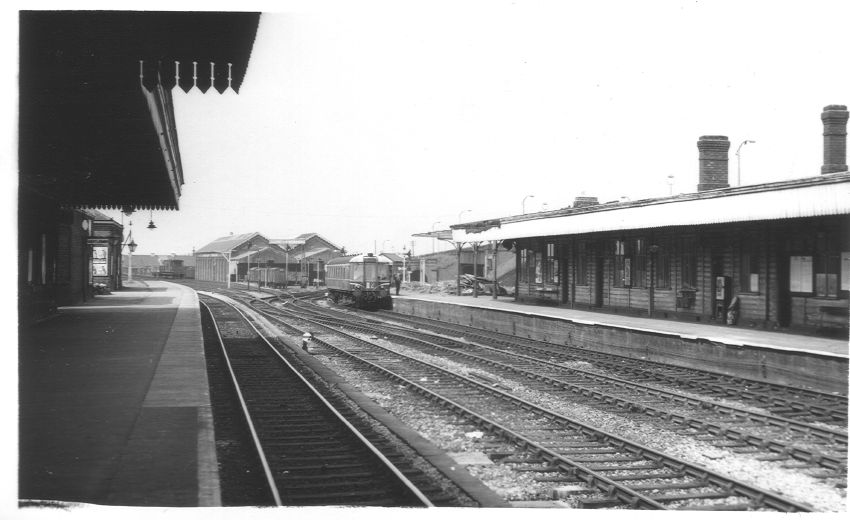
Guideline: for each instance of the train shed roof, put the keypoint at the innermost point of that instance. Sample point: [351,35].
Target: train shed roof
[228,243]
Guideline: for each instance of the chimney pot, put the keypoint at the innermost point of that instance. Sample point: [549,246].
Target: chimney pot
[834,119]
[713,162]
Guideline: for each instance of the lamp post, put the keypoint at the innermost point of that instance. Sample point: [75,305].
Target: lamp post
[286,272]
[131,245]
[461,214]
[738,154]
[523,202]
[433,240]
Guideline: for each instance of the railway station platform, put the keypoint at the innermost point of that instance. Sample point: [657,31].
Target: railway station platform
[799,360]
[114,403]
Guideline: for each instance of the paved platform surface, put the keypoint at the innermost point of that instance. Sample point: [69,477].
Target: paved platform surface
[716,333]
[114,402]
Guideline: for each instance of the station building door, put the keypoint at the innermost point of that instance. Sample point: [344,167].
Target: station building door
[598,279]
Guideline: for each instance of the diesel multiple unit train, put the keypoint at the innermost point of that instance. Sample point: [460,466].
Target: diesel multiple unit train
[362,280]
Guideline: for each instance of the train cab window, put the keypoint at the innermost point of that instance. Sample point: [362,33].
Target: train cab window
[371,271]
[356,272]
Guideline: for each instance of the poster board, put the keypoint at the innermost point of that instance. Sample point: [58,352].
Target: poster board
[801,274]
[100,261]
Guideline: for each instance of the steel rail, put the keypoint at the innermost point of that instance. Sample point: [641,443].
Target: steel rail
[612,360]
[257,444]
[824,460]
[765,419]
[629,496]
[375,451]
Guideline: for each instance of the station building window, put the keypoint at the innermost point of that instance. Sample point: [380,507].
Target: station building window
[637,254]
[529,267]
[537,266]
[552,274]
[622,265]
[749,267]
[688,256]
[826,267]
[630,264]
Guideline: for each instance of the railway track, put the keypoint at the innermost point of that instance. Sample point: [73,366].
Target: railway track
[794,403]
[605,470]
[741,430]
[310,453]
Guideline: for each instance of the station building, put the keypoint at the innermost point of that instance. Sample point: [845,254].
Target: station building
[229,256]
[97,130]
[777,255]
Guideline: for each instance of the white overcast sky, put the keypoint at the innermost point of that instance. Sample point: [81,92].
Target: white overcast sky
[369,122]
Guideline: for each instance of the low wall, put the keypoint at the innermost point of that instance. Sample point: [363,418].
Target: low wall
[822,372]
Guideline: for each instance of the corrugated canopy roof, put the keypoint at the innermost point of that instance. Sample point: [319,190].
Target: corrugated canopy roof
[816,196]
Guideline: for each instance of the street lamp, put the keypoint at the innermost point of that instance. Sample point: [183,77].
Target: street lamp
[738,154]
[461,213]
[433,240]
[286,272]
[523,202]
[131,245]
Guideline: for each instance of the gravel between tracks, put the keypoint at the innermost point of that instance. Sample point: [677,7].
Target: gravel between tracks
[821,494]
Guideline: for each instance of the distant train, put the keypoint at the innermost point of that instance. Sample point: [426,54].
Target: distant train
[171,268]
[362,280]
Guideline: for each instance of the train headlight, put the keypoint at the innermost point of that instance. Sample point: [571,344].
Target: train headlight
[356,285]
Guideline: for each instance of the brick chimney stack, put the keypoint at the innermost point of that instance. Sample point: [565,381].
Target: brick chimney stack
[834,119]
[713,162]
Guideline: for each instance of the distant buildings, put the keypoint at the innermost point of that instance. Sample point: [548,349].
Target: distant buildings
[302,258]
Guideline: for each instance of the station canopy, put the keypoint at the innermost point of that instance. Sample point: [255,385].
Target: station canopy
[96,118]
[823,195]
